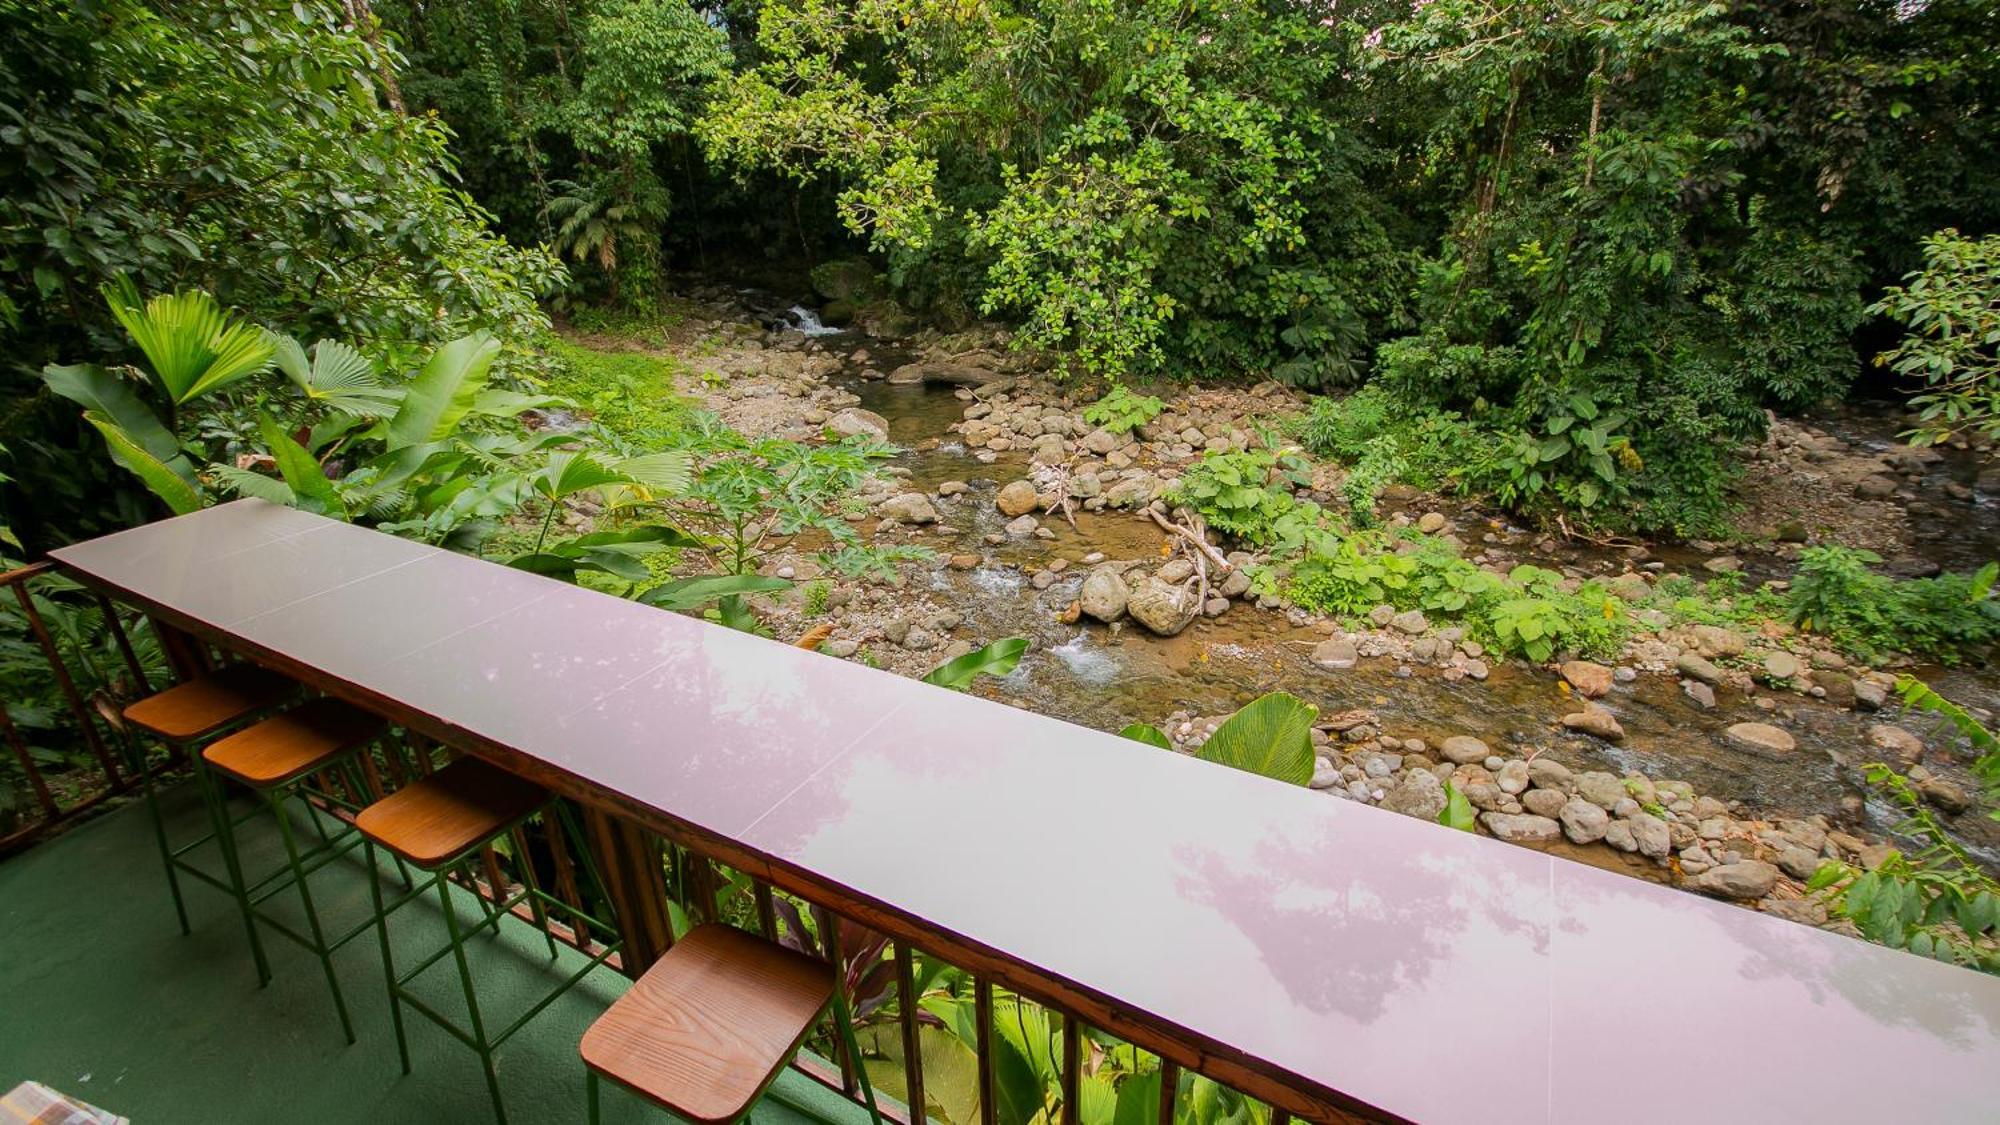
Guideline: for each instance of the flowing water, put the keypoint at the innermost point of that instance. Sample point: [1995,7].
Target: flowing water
[1108,677]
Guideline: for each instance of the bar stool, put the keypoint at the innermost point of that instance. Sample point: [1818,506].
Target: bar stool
[274,759]
[711,1025]
[184,716]
[439,824]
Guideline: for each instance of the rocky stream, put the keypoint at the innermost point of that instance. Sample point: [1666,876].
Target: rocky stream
[1716,759]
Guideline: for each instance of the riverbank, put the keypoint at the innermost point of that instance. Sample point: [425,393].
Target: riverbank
[1715,750]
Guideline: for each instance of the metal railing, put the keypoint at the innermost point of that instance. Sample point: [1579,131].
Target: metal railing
[1031,1055]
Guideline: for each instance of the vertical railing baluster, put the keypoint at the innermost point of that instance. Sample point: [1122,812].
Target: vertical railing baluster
[838,956]
[982,1014]
[68,686]
[1072,1067]
[767,910]
[566,879]
[913,1055]
[117,627]
[496,882]
[1170,1090]
[44,798]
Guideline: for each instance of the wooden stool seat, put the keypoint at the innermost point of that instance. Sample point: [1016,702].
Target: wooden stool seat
[711,1024]
[437,819]
[291,744]
[200,707]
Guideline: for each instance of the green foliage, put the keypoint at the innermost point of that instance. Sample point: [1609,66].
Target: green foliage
[1458,812]
[627,392]
[996,659]
[1139,183]
[1951,309]
[1935,902]
[1383,441]
[1526,612]
[1985,744]
[1943,618]
[1271,735]
[1121,411]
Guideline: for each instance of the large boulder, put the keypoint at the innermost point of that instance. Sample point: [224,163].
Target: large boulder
[1104,594]
[1521,828]
[1018,498]
[1761,738]
[1161,607]
[1463,749]
[856,422]
[1420,794]
[1590,680]
[1583,822]
[910,507]
[1336,653]
[1749,878]
[1595,721]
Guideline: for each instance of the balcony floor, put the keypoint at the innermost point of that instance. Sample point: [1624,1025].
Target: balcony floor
[101,997]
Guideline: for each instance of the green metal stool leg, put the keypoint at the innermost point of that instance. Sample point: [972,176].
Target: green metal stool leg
[471,997]
[276,799]
[590,1093]
[225,835]
[536,906]
[137,761]
[388,960]
[844,1024]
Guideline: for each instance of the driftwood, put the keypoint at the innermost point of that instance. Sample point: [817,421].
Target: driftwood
[1193,539]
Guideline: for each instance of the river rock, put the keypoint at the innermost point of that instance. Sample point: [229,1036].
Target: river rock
[1409,621]
[856,422]
[1430,523]
[1545,802]
[1595,721]
[1023,527]
[1895,740]
[1715,641]
[1521,828]
[1870,695]
[1582,821]
[1798,862]
[1651,835]
[1018,498]
[1600,788]
[1590,680]
[1512,778]
[1761,738]
[1781,667]
[1104,594]
[1161,607]
[1463,749]
[1945,796]
[1420,794]
[1700,694]
[910,507]
[1176,571]
[1697,668]
[1744,879]
[1547,773]
[1336,653]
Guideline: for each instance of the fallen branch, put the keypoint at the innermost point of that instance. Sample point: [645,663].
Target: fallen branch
[1198,542]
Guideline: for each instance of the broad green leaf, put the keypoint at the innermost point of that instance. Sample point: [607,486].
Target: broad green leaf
[996,659]
[570,472]
[443,392]
[338,376]
[1457,812]
[693,593]
[244,482]
[1148,734]
[302,472]
[190,344]
[112,398]
[1272,736]
[1139,1100]
[164,482]
[670,473]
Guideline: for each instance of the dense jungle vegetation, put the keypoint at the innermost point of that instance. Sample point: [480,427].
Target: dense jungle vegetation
[1586,243]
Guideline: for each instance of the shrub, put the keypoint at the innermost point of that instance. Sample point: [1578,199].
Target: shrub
[1120,411]
[1871,614]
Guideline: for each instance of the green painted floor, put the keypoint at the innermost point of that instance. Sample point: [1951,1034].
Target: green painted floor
[101,997]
